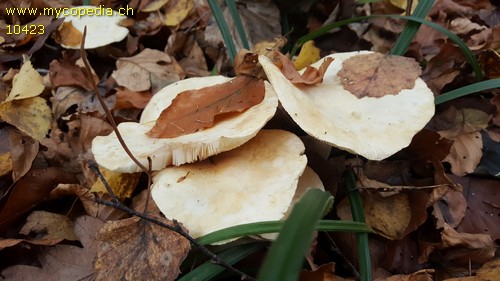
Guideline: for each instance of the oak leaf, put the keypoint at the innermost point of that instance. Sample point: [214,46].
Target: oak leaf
[310,76]
[194,110]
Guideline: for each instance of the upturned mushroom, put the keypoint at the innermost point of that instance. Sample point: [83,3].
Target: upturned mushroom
[373,110]
[257,181]
[226,134]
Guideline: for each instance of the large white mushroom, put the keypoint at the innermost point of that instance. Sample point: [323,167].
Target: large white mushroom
[372,126]
[225,135]
[257,181]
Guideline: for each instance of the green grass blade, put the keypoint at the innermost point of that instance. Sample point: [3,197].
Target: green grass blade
[463,47]
[209,270]
[231,5]
[411,28]
[358,215]
[467,90]
[284,260]
[224,30]
[275,227]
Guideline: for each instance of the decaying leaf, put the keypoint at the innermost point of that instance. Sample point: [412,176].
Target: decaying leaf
[68,35]
[26,84]
[421,275]
[123,185]
[49,225]
[490,270]
[64,262]
[35,114]
[177,11]
[5,163]
[377,75]
[465,153]
[194,110]
[149,69]
[247,63]
[309,76]
[131,99]
[66,73]
[146,251]
[23,151]
[308,55]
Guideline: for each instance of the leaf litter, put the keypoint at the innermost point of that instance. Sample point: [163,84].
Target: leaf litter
[433,205]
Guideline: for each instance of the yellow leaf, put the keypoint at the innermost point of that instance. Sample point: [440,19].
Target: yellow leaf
[26,84]
[308,54]
[123,185]
[5,164]
[177,11]
[32,116]
[154,6]
[402,4]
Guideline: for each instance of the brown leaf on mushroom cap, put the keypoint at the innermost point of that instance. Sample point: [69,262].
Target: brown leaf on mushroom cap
[247,63]
[377,75]
[310,76]
[147,251]
[194,110]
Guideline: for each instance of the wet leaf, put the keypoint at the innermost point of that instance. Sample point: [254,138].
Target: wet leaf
[194,110]
[310,76]
[26,84]
[377,75]
[36,116]
[49,226]
[147,251]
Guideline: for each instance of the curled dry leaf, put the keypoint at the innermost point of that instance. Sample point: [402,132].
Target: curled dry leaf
[377,75]
[194,110]
[146,251]
[310,76]
[247,63]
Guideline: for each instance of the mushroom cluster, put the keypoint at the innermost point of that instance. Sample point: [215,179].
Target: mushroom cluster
[237,173]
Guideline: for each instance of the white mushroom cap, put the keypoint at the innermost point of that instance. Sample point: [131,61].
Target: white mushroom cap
[254,182]
[102,29]
[224,135]
[372,127]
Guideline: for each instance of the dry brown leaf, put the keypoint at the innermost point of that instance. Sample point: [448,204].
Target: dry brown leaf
[310,76]
[68,35]
[466,248]
[150,69]
[126,99]
[66,73]
[194,110]
[23,151]
[195,64]
[147,251]
[465,153]
[35,116]
[247,63]
[377,75]
[26,84]
[325,272]
[122,184]
[490,61]
[421,275]
[49,226]
[64,262]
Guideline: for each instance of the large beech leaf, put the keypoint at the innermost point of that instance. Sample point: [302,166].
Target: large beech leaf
[194,110]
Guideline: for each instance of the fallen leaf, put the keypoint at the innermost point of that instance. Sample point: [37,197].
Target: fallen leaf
[122,184]
[308,55]
[146,6]
[490,270]
[421,275]
[310,76]
[325,272]
[5,163]
[126,99]
[147,251]
[64,262]
[49,226]
[490,61]
[149,69]
[176,11]
[68,35]
[26,84]
[36,116]
[194,64]
[377,75]
[66,73]
[194,110]
[23,151]
[465,153]
[30,190]
[247,63]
